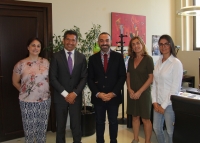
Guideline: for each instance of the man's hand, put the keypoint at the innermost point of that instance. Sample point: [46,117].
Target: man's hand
[70,98]
[103,96]
[111,95]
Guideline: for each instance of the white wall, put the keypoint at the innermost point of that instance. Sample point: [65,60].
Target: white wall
[189,59]
[160,15]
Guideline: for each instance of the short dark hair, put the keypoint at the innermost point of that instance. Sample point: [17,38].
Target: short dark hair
[169,40]
[70,32]
[104,33]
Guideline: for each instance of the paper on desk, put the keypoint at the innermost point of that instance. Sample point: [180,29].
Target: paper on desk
[189,95]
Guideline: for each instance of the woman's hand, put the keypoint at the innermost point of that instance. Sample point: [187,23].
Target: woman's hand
[16,81]
[158,108]
[137,95]
[131,93]
[155,106]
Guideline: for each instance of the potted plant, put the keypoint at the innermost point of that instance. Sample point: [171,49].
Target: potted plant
[86,45]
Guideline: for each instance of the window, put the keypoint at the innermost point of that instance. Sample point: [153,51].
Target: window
[197,29]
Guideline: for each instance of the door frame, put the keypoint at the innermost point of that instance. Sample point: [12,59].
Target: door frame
[5,4]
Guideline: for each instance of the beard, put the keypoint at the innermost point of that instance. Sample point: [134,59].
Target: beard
[105,48]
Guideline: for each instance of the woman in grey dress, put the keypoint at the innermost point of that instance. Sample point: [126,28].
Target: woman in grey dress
[139,78]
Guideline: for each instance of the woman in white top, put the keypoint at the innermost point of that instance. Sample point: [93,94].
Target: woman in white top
[168,73]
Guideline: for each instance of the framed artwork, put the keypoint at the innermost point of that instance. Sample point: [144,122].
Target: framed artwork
[127,24]
[155,47]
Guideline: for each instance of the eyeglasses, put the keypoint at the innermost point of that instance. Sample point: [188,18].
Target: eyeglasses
[164,45]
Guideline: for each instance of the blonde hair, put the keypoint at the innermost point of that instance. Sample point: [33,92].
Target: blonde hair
[131,53]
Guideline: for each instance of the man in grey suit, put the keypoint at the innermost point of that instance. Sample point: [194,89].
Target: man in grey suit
[68,76]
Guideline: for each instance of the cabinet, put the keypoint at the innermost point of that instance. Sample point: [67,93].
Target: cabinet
[190,79]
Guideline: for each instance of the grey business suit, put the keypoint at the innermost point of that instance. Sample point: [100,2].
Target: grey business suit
[61,80]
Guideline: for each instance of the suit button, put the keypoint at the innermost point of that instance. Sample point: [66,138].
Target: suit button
[105,76]
[103,86]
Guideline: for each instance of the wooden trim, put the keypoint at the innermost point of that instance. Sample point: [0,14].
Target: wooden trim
[47,8]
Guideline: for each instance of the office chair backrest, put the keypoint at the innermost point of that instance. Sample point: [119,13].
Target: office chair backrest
[187,119]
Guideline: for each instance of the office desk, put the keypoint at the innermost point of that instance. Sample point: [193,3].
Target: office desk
[191,90]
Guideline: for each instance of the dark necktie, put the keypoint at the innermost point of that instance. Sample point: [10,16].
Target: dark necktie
[105,61]
[70,64]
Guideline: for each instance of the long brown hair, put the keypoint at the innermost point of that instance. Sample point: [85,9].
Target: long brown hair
[131,53]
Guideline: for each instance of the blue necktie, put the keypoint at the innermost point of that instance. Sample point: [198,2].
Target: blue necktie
[70,64]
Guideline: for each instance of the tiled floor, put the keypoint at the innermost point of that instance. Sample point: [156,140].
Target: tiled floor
[125,135]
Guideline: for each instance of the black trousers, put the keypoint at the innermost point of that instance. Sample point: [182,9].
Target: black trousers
[61,120]
[112,112]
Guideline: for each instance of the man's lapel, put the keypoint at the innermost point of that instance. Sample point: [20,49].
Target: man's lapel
[64,58]
[99,61]
[111,60]
[75,60]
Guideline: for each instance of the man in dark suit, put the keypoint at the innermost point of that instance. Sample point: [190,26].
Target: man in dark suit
[106,77]
[68,76]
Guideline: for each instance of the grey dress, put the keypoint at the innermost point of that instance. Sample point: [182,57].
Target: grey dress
[138,76]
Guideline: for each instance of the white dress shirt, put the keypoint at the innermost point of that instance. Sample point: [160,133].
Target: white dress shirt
[65,93]
[167,80]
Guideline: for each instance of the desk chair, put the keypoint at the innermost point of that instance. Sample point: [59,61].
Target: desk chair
[187,119]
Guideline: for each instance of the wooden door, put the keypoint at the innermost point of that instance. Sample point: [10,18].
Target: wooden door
[18,22]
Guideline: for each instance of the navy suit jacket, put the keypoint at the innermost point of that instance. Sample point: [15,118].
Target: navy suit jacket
[110,81]
[61,79]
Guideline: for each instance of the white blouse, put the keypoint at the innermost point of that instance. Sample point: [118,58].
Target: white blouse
[167,80]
